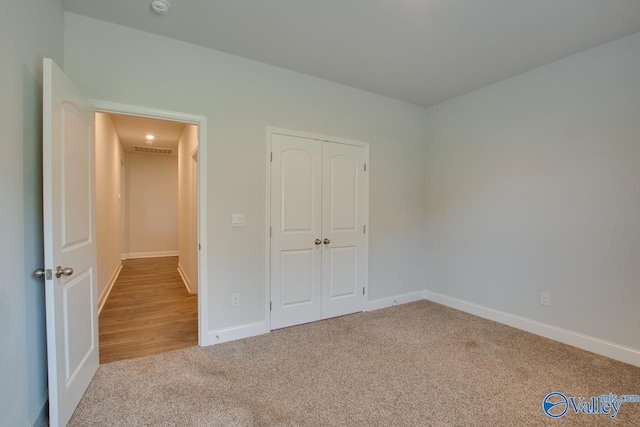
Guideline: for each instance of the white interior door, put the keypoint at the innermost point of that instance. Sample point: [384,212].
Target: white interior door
[69,238]
[296,230]
[319,246]
[344,209]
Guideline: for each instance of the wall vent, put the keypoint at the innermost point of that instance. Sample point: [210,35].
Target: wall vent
[152,150]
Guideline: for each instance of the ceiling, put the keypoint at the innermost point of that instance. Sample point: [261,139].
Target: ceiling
[133,130]
[419,51]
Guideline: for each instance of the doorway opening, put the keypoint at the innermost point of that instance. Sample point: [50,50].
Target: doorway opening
[148,223]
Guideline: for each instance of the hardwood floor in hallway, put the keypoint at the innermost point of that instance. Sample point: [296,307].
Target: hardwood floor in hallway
[149,311]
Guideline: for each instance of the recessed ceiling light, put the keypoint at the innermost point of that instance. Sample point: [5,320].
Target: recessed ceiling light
[150,137]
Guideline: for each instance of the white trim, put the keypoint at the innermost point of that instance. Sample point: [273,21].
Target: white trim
[160,254]
[575,339]
[185,279]
[203,290]
[269,131]
[367,182]
[290,132]
[107,290]
[380,303]
[235,333]
[267,230]
[201,122]
[141,111]
[38,413]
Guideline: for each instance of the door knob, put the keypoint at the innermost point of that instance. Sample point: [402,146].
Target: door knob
[63,271]
[39,273]
[318,241]
[327,241]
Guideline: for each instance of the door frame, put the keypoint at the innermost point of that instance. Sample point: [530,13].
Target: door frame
[270,131]
[201,122]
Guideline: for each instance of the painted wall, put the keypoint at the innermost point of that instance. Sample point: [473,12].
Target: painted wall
[29,30]
[151,204]
[187,214]
[109,158]
[241,98]
[532,185]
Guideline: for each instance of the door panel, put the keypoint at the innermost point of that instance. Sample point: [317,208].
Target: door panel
[343,218]
[344,190]
[76,172]
[295,212]
[343,277]
[297,191]
[69,227]
[296,284]
[79,343]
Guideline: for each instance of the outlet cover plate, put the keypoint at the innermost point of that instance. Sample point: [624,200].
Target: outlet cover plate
[545,298]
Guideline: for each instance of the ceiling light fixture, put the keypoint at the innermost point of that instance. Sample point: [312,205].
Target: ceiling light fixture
[160,6]
[150,137]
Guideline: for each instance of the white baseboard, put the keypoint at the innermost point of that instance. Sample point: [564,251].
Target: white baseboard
[259,328]
[161,254]
[377,304]
[38,415]
[107,290]
[235,333]
[575,339]
[185,279]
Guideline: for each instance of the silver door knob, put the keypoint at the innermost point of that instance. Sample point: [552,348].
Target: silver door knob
[327,241]
[63,271]
[318,241]
[39,273]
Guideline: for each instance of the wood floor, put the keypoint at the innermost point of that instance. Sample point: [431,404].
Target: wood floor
[149,311]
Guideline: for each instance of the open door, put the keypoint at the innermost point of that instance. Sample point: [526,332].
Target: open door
[69,242]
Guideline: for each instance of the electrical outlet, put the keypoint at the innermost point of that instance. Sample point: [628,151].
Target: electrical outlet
[235,300]
[545,298]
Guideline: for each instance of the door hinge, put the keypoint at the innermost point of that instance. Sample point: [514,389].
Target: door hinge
[271,157]
[270,306]
[199,246]
[364,229]
[363,290]
[270,232]
[365,167]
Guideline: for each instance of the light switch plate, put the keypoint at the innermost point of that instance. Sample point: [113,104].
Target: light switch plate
[237,220]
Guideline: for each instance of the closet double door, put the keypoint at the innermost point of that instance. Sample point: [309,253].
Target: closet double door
[319,205]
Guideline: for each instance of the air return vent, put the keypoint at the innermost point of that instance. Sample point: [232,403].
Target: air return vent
[152,150]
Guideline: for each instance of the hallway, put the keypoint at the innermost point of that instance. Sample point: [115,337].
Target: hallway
[149,311]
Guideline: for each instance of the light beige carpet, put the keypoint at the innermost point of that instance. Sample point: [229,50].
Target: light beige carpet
[419,364]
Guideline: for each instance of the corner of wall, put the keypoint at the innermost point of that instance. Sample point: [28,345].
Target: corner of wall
[107,290]
[40,414]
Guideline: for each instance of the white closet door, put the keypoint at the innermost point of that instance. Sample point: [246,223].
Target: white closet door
[344,206]
[296,224]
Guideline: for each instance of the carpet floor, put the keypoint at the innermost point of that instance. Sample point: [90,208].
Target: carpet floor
[418,364]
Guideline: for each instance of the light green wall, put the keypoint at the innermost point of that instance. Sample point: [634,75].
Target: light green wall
[532,185]
[240,99]
[29,31]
